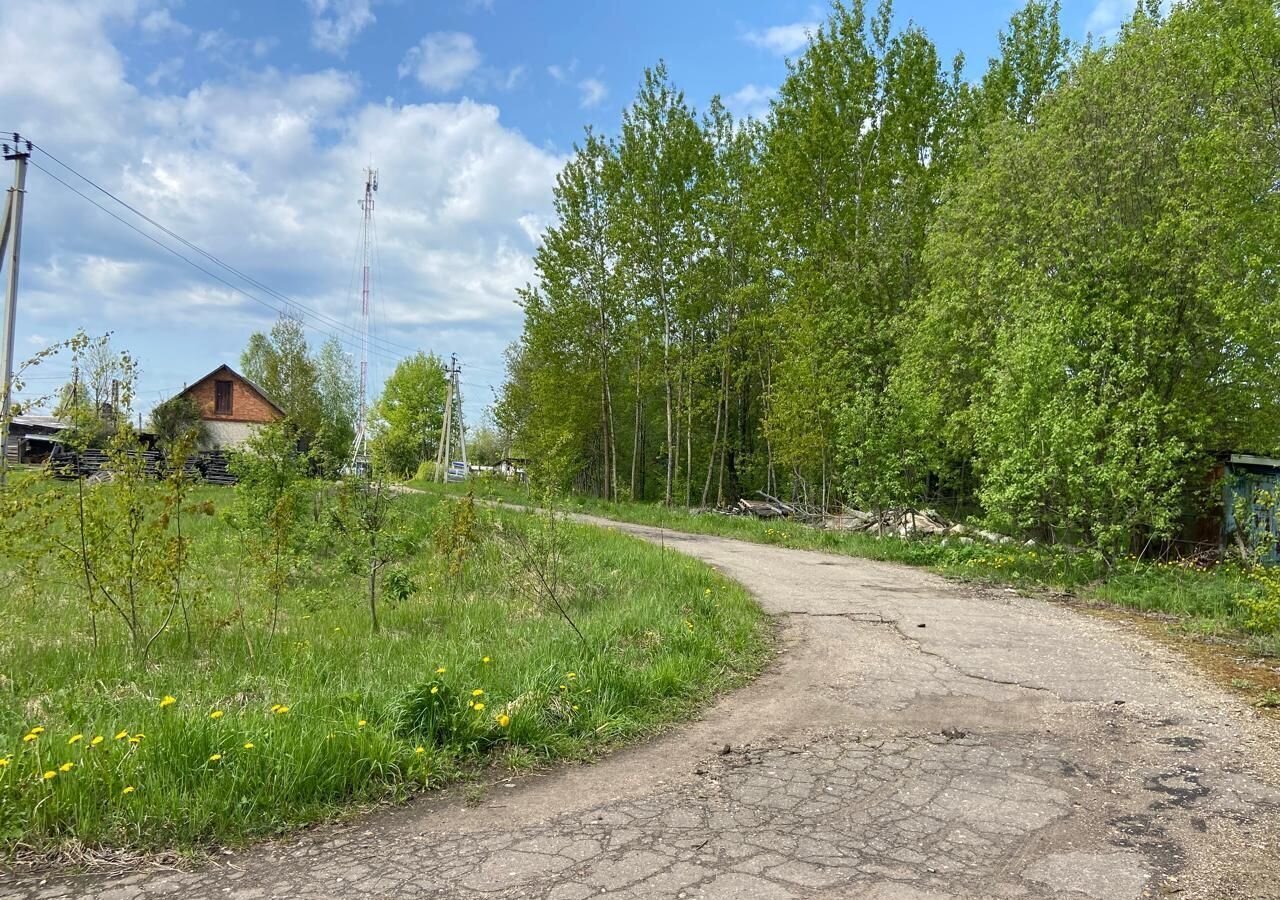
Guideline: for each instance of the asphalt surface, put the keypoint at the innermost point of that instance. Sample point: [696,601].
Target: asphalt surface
[914,740]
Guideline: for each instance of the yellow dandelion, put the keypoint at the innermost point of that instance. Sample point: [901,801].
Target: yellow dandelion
[478,692]
[280,710]
[121,735]
[4,761]
[39,729]
[75,739]
[707,592]
[503,720]
[28,738]
[167,701]
[137,738]
[362,723]
[66,767]
[216,714]
[575,706]
[571,675]
[478,707]
[50,775]
[486,660]
[128,790]
[564,687]
[215,758]
[97,739]
[248,745]
[419,749]
[440,670]
[337,628]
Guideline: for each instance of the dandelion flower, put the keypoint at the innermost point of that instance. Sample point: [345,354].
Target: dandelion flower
[128,790]
[121,735]
[28,738]
[571,675]
[248,745]
[362,723]
[503,720]
[97,739]
[434,689]
[75,739]
[707,592]
[66,767]
[564,687]
[478,707]
[39,729]
[167,701]
[215,758]
[216,714]
[478,692]
[137,738]
[50,775]
[4,761]
[440,670]
[281,710]
[419,749]
[486,660]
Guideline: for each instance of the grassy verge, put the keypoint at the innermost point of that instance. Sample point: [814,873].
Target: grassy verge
[1213,602]
[244,734]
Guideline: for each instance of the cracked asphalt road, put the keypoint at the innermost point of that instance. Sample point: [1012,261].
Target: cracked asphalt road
[915,740]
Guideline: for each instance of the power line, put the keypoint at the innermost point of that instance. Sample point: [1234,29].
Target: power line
[214,275]
[319,316]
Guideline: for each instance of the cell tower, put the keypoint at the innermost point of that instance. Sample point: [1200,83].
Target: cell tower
[360,446]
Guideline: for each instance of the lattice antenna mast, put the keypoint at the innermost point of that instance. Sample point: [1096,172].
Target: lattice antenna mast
[359,449]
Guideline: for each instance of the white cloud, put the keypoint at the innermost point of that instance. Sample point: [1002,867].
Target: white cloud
[161,23]
[751,100]
[336,23]
[263,169]
[593,92]
[782,39]
[231,50]
[1108,16]
[165,71]
[442,60]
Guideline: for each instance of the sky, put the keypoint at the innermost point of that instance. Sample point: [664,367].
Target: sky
[245,129]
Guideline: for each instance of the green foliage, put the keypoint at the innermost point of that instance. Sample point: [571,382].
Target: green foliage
[220,741]
[316,391]
[1048,298]
[177,421]
[407,418]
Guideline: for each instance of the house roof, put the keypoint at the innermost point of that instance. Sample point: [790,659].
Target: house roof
[225,369]
[36,421]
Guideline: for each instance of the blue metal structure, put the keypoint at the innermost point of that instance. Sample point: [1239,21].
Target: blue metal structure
[1251,503]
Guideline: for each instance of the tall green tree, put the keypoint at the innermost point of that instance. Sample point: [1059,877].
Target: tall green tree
[408,416]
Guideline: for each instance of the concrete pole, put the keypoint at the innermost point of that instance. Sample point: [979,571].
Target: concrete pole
[13,222]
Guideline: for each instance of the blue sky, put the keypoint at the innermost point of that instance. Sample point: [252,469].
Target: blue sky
[244,127]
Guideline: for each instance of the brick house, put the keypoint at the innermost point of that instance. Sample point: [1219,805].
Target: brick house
[232,406]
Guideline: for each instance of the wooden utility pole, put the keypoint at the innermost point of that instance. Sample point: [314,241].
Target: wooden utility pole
[11,240]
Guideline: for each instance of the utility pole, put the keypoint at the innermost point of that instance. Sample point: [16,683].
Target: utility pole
[360,447]
[452,422]
[11,240]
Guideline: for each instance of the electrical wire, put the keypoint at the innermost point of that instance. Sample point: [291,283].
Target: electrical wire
[319,316]
[214,275]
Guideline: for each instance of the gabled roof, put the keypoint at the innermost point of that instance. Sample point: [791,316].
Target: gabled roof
[225,369]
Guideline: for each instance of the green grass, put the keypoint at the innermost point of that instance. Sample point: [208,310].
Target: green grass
[363,724]
[1205,601]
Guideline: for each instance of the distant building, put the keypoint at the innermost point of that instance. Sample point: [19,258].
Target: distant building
[232,406]
[512,467]
[31,438]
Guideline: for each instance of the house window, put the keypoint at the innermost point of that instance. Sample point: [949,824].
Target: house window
[222,398]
